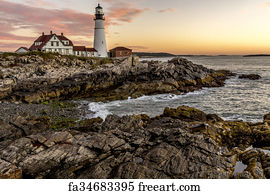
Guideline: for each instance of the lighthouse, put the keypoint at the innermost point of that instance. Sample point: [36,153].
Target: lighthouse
[100,39]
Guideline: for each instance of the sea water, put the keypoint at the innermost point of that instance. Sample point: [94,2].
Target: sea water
[239,99]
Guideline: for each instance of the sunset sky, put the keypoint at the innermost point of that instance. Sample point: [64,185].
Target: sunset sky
[175,26]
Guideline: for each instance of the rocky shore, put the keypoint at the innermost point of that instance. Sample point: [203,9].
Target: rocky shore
[44,136]
[36,78]
[180,143]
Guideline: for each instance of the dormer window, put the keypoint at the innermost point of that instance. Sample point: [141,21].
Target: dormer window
[37,43]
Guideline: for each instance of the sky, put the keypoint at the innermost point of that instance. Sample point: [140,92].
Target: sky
[176,26]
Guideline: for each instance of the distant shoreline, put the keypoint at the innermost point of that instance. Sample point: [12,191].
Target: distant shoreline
[258,55]
[164,55]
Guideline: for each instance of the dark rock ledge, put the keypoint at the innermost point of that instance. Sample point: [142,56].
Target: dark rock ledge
[250,76]
[180,143]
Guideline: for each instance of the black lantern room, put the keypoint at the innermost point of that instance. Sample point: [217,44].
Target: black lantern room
[99,13]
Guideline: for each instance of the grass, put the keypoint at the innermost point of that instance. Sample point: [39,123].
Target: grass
[50,55]
[73,57]
[63,122]
[102,61]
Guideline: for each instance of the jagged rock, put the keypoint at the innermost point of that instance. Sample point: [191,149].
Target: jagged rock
[266,118]
[9,171]
[214,118]
[185,113]
[35,79]
[252,158]
[120,147]
[250,76]
[243,175]
[181,143]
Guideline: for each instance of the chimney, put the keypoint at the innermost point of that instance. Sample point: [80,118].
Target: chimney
[51,32]
[42,33]
[62,34]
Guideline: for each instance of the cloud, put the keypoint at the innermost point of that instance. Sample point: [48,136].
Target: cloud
[3,46]
[125,15]
[166,10]
[40,3]
[20,16]
[35,17]
[123,11]
[137,47]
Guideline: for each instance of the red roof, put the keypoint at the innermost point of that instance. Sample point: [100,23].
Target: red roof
[45,38]
[120,49]
[91,50]
[78,48]
[62,38]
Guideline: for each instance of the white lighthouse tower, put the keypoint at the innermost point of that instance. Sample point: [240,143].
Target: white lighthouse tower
[100,39]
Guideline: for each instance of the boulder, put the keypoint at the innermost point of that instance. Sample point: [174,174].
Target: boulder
[185,113]
[266,118]
[250,76]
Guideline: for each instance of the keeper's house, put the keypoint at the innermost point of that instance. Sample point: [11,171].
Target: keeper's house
[61,45]
[119,52]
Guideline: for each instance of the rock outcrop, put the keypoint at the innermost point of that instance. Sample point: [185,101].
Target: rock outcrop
[35,78]
[250,76]
[181,143]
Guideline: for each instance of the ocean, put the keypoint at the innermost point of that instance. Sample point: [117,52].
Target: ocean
[245,100]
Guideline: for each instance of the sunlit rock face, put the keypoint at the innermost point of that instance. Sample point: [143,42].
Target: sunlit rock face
[39,78]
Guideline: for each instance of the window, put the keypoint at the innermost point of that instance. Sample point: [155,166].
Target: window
[78,53]
[51,43]
[54,38]
[57,43]
[67,51]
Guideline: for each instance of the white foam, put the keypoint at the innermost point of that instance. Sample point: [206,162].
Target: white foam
[102,110]
[165,97]
[198,92]
[99,110]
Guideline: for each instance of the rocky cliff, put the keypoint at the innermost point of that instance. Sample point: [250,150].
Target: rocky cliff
[35,78]
[180,143]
